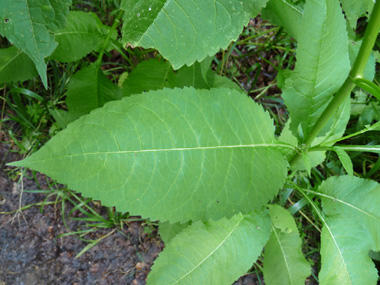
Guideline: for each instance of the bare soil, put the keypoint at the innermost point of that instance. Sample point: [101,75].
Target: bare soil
[31,253]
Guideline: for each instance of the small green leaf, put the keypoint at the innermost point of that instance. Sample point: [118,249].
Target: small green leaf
[168,231]
[171,155]
[285,14]
[156,74]
[215,80]
[78,38]
[200,76]
[149,75]
[284,262]
[62,117]
[185,31]
[345,160]
[353,49]
[282,219]
[15,66]
[89,89]
[28,24]
[191,76]
[212,252]
[309,160]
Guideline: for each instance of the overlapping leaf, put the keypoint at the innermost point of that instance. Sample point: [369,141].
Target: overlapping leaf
[212,252]
[322,64]
[148,75]
[154,74]
[79,37]
[284,262]
[333,130]
[185,31]
[351,230]
[27,25]
[356,199]
[200,76]
[15,66]
[168,231]
[175,154]
[286,14]
[89,89]
[345,249]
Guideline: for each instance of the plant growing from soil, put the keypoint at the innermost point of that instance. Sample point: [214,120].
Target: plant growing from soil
[178,143]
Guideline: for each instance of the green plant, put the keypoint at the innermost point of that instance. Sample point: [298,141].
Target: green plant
[194,152]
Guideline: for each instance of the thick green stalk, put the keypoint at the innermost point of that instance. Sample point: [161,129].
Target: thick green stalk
[345,90]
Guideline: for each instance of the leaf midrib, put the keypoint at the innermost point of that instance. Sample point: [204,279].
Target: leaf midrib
[337,248]
[212,252]
[335,199]
[167,149]
[283,253]
[19,52]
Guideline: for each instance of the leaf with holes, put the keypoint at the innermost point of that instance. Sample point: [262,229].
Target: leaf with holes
[355,9]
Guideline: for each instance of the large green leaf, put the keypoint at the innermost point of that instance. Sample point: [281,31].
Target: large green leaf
[185,31]
[89,89]
[355,9]
[15,66]
[322,64]
[212,252]
[357,199]
[173,154]
[284,262]
[351,229]
[344,251]
[28,25]
[79,37]
[284,13]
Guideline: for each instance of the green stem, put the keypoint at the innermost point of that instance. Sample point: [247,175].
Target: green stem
[360,148]
[115,24]
[345,90]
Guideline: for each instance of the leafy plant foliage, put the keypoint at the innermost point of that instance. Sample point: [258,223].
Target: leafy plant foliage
[183,142]
[212,252]
[175,142]
[28,24]
[186,31]
[284,262]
